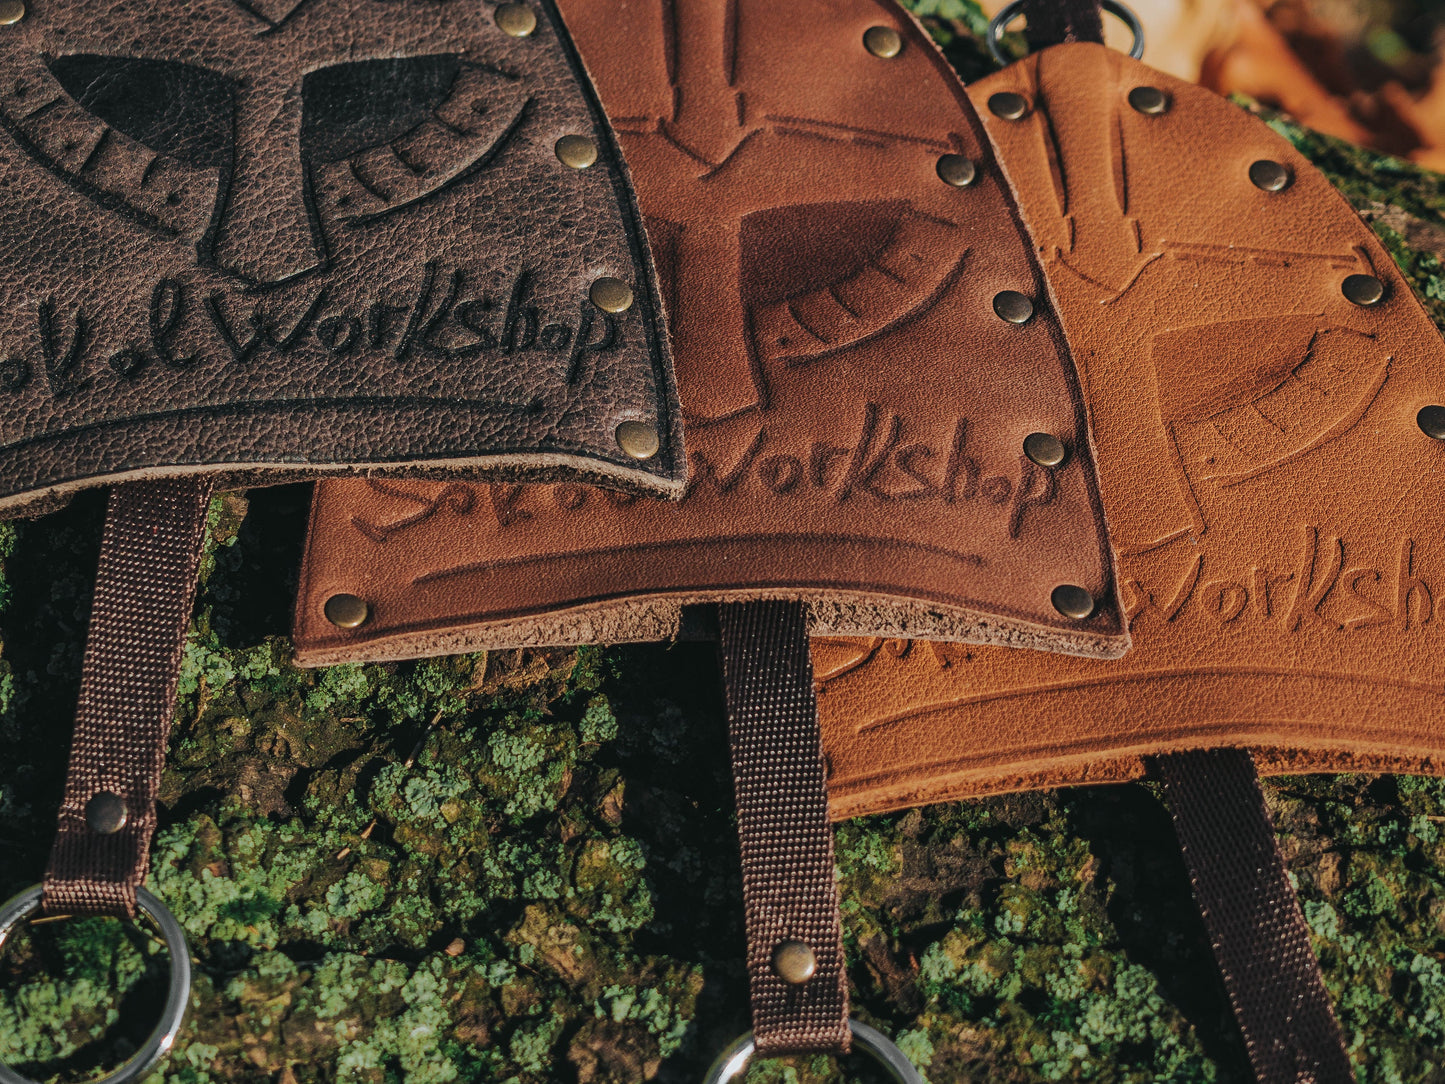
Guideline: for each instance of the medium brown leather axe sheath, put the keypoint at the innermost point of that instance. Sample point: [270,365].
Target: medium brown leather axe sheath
[1256,370]
[262,241]
[883,417]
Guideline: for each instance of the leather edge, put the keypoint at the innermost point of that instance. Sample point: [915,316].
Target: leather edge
[654,313]
[522,467]
[659,618]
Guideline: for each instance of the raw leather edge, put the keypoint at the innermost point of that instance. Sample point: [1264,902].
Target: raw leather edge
[639,620]
[528,467]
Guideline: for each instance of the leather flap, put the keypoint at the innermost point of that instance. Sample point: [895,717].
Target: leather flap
[858,408]
[1276,503]
[273,240]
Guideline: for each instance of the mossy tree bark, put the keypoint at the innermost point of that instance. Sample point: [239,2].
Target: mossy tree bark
[521,867]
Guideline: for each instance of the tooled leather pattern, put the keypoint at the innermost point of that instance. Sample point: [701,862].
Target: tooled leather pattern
[307,234]
[857,411]
[1276,506]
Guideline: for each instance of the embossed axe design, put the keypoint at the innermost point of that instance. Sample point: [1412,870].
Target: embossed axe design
[863,347]
[269,240]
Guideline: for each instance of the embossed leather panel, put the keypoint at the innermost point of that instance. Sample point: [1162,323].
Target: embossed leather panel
[1277,509]
[856,410]
[274,239]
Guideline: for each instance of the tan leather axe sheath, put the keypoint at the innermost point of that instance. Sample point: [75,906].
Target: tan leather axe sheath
[883,417]
[1256,370]
[262,241]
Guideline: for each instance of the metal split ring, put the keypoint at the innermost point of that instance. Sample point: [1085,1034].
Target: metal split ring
[1012,11]
[733,1061]
[163,1037]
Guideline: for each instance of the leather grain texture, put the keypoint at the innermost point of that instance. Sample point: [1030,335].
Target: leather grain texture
[272,240]
[856,409]
[1276,507]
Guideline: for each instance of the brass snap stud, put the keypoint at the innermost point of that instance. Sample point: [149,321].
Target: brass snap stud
[11,12]
[1363,290]
[638,439]
[1045,449]
[883,41]
[1012,306]
[957,170]
[347,611]
[1073,601]
[1431,421]
[1149,100]
[516,20]
[794,962]
[105,813]
[611,295]
[1008,105]
[1269,176]
[576,151]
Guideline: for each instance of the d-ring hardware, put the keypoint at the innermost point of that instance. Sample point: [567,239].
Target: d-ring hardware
[733,1062]
[179,995]
[1012,11]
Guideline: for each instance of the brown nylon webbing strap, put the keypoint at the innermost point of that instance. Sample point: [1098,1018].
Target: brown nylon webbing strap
[789,889]
[1054,22]
[1253,917]
[144,590]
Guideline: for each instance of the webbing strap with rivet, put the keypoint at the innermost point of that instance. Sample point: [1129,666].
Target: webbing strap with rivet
[790,894]
[1253,916]
[144,591]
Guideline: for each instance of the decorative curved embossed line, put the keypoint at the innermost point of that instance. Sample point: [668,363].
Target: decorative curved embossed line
[1045,688]
[471,568]
[1145,741]
[379,402]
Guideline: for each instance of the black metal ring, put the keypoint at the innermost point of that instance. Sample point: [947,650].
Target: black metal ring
[1012,11]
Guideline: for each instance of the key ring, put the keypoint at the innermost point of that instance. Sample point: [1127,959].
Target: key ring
[733,1061]
[1011,11]
[164,1035]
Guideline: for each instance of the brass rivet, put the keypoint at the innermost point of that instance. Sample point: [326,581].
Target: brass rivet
[794,962]
[1431,420]
[516,20]
[1073,601]
[883,41]
[1363,289]
[1045,449]
[611,295]
[638,439]
[1150,100]
[1012,306]
[1269,176]
[347,611]
[576,151]
[957,170]
[1008,105]
[105,813]
[11,12]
